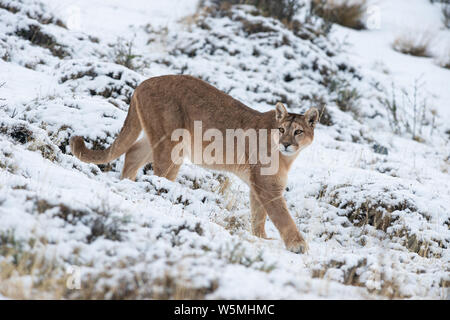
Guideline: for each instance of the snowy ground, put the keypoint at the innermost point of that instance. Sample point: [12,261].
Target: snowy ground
[377,224]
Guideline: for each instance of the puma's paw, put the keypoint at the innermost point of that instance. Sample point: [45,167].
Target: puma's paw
[298,246]
[260,234]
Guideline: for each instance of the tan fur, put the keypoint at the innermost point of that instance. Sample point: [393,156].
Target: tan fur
[162,104]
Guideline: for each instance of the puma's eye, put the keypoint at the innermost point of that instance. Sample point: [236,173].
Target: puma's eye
[298,131]
[281,130]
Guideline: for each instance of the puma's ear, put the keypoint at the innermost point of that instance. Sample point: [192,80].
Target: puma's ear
[280,111]
[312,116]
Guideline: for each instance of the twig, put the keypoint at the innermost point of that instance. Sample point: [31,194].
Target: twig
[2,99]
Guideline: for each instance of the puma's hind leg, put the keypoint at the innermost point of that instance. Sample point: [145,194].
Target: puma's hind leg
[163,165]
[166,169]
[136,157]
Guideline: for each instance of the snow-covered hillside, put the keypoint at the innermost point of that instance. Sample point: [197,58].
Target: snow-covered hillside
[371,195]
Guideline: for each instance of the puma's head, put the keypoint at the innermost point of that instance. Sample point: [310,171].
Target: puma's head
[296,131]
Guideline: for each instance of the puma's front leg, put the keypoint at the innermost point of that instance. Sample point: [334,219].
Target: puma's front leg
[258,217]
[275,205]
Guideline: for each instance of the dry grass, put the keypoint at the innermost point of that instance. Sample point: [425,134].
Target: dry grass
[28,273]
[139,286]
[443,60]
[47,151]
[224,189]
[234,224]
[33,276]
[389,286]
[170,288]
[378,214]
[350,276]
[347,13]
[413,43]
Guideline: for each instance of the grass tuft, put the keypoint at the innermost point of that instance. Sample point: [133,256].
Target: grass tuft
[413,43]
[346,13]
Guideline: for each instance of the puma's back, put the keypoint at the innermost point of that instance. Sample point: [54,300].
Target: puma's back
[182,98]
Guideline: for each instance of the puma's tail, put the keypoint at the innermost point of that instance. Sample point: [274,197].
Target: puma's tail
[127,136]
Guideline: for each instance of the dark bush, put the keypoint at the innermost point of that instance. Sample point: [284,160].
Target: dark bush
[18,6]
[20,133]
[283,10]
[36,36]
[446,14]
[445,9]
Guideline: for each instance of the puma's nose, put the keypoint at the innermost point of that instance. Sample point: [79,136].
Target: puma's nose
[286,145]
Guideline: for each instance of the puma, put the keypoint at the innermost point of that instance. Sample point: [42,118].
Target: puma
[163,104]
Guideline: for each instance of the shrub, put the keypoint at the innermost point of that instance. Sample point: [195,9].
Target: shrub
[347,13]
[5,53]
[446,14]
[443,60]
[36,36]
[39,13]
[344,95]
[118,82]
[123,53]
[283,10]
[235,253]
[19,133]
[413,43]
[2,99]
[408,110]
[296,16]
[23,133]
[445,9]
[98,220]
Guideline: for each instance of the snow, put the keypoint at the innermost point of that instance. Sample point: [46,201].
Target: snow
[377,224]
[99,17]
[417,17]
